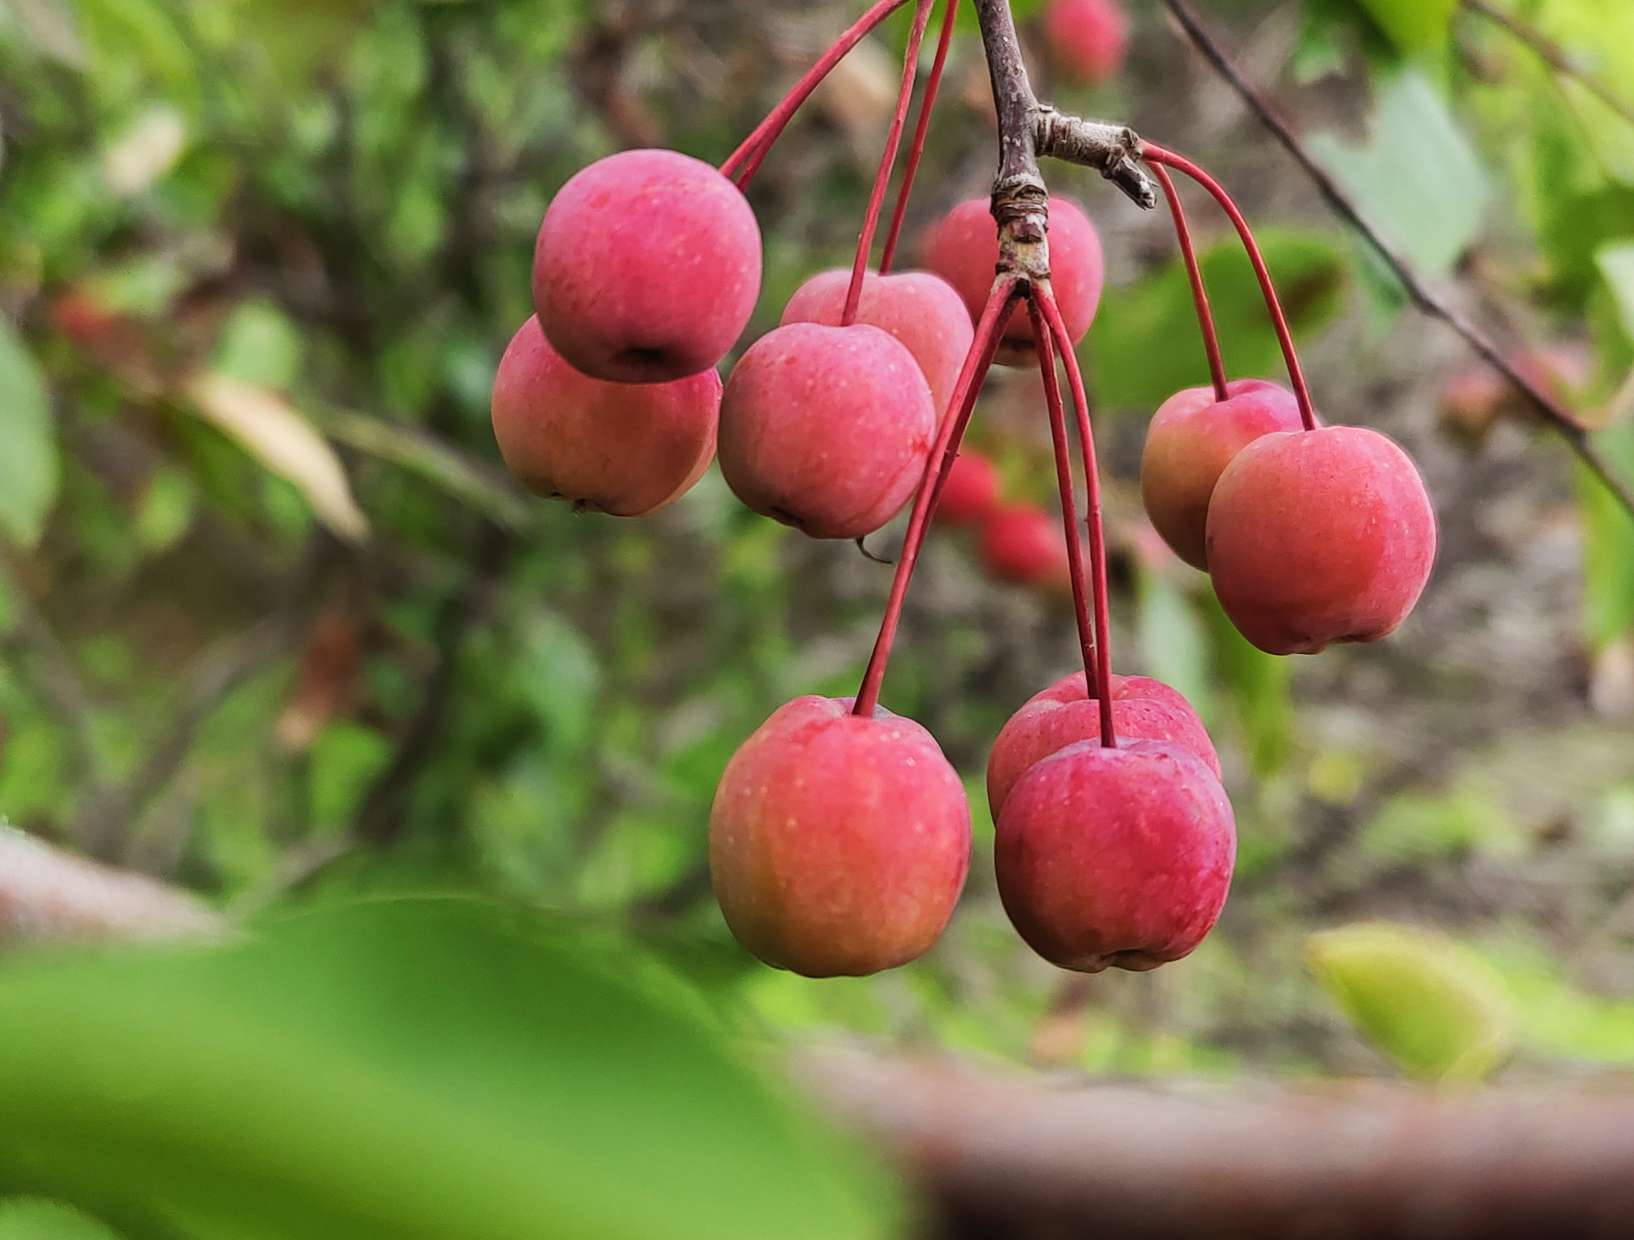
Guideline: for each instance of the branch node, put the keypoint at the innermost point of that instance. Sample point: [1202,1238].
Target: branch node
[1112,150]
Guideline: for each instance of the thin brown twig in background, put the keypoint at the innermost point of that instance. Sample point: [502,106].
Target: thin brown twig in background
[1553,55]
[1550,411]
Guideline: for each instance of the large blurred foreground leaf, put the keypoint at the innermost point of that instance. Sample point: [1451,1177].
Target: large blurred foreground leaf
[423,1068]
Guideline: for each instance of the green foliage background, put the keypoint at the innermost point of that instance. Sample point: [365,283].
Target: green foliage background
[288,637]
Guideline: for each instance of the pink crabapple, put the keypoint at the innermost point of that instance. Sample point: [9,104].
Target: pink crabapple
[920,309]
[1115,857]
[647,267]
[963,249]
[826,428]
[1319,536]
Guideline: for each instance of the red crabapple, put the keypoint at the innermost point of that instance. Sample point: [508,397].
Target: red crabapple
[971,491]
[1087,38]
[1115,857]
[622,448]
[1319,536]
[964,250]
[1025,545]
[1063,714]
[1191,438]
[647,267]
[826,428]
[918,308]
[838,844]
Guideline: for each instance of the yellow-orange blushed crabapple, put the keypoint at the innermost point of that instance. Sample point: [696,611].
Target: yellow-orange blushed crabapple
[622,448]
[838,843]
[1190,439]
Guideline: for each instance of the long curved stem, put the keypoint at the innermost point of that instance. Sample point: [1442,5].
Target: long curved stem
[1155,154]
[743,163]
[887,160]
[989,330]
[1063,480]
[1045,297]
[1194,274]
[916,147]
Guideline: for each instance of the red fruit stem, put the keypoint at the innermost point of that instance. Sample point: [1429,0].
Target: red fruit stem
[887,161]
[916,147]
[1194,273]
[945,448]
[1063,480]
[1045,296]
[743,163]
[1155,154]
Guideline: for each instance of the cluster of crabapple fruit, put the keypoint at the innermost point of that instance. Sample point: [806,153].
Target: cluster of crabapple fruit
[839,838]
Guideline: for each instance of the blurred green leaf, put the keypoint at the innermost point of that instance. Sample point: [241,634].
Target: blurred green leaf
[1173,640]
[32,1219]
[1433,1007]
[1310,273]
[1616,264]
[259,344]
[1608,544]
[1258,685]
[1416,176]
[435,1068]
[1415,827]
[1413,25]
[29,469]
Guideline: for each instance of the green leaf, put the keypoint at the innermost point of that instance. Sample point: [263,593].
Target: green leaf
[1153,319]
[29,469]
[1413,25]
[1616,264]
[32,1219]
[1258,685]
[408,1068]
[1433,1007]
[1608,545]
[1173,640]
[259,344]
[1416,177]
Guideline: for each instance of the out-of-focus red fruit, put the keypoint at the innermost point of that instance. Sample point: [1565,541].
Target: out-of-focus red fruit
[1087,38]
[826,428]
[1319,536]
[647,267]
[1191,438]
[838,845]
[1064,714]
[964,250]
[1025,545]
[971,491]
[1115,857]
[920,309]
[622,448]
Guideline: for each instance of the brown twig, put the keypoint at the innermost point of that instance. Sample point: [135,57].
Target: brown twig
[1547,409]
[1553,55]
